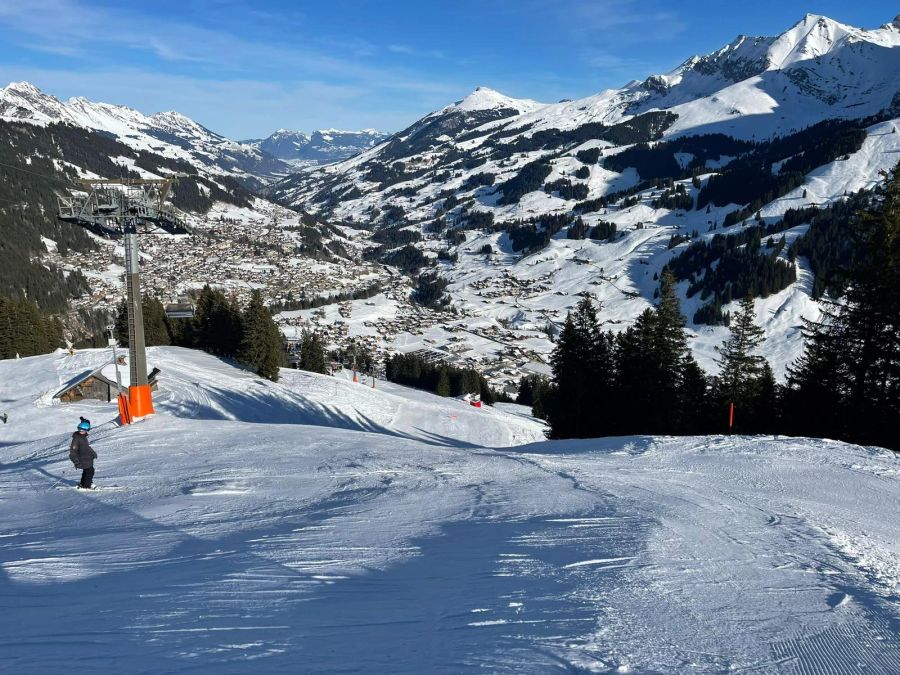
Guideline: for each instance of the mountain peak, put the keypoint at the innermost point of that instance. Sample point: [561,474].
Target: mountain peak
[172,116]
[485,98]
[322,146]
[23,87]
[482,98]
[813,36]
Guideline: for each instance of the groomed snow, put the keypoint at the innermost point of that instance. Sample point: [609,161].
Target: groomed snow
[318,525]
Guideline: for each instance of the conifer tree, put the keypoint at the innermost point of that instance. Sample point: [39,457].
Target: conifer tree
[261,344]
[694,408]
[740,367]
[635,395]
[443,385]
[120,330]
[849,376]
[156,324]
[532,389]
[25,331]
[579,402]
[312,353]
[765,405]
[217,323]
[670,356]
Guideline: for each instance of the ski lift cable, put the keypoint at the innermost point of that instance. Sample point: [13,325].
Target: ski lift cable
[68,182]
[36,173]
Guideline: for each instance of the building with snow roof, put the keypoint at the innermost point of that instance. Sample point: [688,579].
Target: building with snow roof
[101,384]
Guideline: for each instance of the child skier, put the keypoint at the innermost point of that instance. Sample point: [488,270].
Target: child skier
[83,455]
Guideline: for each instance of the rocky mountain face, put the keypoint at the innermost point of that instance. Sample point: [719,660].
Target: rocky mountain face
[323,146]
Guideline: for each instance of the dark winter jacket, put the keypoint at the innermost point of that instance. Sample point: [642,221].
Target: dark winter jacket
[81,452]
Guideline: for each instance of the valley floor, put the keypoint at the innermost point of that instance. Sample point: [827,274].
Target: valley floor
[315,525]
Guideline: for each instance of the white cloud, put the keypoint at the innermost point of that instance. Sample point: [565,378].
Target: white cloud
[413,51]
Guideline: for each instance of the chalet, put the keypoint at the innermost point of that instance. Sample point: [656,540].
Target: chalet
[100,384]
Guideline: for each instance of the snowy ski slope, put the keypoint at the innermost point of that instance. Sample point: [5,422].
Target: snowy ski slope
[316,525]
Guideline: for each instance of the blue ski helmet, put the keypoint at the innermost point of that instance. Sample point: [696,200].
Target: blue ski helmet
[84,426]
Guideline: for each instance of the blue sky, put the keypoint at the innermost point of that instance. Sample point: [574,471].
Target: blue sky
[244,68]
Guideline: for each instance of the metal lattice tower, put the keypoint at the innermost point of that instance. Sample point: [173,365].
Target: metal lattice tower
[123,209]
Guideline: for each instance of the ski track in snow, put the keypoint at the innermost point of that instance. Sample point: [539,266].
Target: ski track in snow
[318,525]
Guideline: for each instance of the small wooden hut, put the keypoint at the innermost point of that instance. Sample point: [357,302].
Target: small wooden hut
[100,384]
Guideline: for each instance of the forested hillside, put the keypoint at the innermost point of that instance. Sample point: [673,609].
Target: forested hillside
[39,163]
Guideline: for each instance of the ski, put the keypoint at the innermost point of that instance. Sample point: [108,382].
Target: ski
[104,488]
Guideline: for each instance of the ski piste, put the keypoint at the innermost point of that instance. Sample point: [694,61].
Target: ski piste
[464,531]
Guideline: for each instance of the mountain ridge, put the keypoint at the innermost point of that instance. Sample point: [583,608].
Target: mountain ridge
[322,146]
[170,134]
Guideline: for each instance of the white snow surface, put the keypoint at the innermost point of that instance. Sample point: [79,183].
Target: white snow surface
[318,525]
[485,98]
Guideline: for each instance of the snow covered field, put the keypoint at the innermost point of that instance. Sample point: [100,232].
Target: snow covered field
[320,526]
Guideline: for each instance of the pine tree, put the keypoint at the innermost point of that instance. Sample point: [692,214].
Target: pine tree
[25,331]
[658,384]
[848,379]
[740,367]
[443,385]
[670,355]
[695,403]
[217,323]
[312,353]
[120,330]
[532,390]
[578,402]
[156,324]
[635,396]
[261,344]
[765,403]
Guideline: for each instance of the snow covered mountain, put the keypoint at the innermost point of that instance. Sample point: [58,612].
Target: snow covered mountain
[525,206]
[352,529]
[169,134]
[323,146]
[753,88]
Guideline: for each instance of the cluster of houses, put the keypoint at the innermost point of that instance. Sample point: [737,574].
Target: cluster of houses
[235,255]
[508,288]
[239,255]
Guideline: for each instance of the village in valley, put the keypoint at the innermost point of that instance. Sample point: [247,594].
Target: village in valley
[354,302]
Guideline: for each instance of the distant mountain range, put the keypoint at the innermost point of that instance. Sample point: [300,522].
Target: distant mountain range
[320,147]
[754,88]
[176,136]
[169,134]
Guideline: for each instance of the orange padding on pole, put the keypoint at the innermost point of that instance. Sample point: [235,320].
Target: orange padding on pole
[141,400]
[124,412]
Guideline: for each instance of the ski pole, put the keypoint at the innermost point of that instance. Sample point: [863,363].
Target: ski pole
[59,480]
